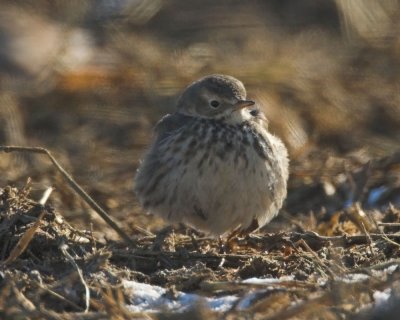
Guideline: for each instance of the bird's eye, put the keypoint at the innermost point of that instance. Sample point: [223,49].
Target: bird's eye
[214,104]
[255,112]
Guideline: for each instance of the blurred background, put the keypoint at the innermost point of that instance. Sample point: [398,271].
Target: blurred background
[89,79]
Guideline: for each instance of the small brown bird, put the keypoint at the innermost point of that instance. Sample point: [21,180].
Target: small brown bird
[213,165]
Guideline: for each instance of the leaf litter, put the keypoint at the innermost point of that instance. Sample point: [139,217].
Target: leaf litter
[339,265]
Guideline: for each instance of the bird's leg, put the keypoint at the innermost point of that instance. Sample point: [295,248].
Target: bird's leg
[252,227]
[235,233]
[221,245]
[195,243]
[241,233]
[159,241]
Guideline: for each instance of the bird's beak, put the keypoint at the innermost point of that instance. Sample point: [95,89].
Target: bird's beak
[243,104]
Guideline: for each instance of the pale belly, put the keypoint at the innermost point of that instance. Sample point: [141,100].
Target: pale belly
[223,193]
[222,186]
[225,196]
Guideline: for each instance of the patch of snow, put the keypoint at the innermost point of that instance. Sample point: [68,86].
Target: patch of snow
[381,297]
[391,269]
[146,297]
[322,281]
[221,304]
[388,270]
[268,280]
[354,277]
[150,298]
[247,300]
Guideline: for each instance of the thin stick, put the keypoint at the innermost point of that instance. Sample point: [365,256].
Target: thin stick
[59,296]
[75,187]
[378,266]
[312,238]
[46,196]
[318,261]
[27,237]
[63,247]
[388,224]
[377,224]
[369,240]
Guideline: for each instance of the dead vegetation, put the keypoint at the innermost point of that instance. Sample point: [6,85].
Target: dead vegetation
[325,73]
[51,269]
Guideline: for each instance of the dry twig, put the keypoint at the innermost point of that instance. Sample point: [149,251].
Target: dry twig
[28,235]
[63,247]
[75,186]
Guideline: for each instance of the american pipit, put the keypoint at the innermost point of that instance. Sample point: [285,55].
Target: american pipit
[213,165]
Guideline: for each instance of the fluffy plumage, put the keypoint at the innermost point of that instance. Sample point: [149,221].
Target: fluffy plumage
[213,165]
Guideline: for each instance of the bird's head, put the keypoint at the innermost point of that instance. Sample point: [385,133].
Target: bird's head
[216,97]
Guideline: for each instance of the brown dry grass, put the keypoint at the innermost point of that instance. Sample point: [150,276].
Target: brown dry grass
[326,75]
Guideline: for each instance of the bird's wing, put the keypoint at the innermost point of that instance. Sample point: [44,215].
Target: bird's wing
[154,160]
[170,123]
